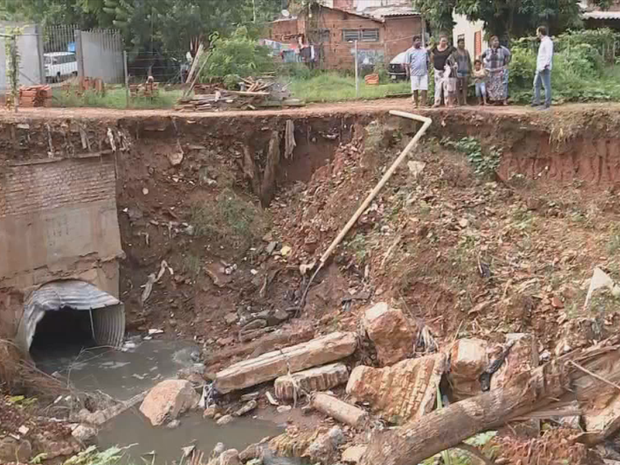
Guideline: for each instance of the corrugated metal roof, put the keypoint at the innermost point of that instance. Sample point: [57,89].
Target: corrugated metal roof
[78,295]
[390,11]
[602,15]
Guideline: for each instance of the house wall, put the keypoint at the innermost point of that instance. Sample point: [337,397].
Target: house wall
[399,34]
[283,30]
[468,29]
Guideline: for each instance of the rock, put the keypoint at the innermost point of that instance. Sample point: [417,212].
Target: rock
[229,457]
[250,396]
[579,333]
[218,450]
[210,412]
[523,356]
[316,379]
[325,447]
[85,434]
[231,318]
[247,408]
[226,341]
[168,400]
[602,410]
[271,365]
[12,449]
[226,419]
[284,408]
[468,359]
[252,452]
[173,424]
[391,333]
[271,247]
[176,158]
[55,448]
[406,391]
[256,324]
[279,316]
[353,454]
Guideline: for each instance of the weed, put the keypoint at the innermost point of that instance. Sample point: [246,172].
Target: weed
[192,264]
[333,87]
[485,163]
[613,244]
[359,247]
[92,456]
[232,220]
[114,98]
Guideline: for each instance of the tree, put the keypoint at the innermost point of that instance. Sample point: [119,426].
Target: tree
[506,18]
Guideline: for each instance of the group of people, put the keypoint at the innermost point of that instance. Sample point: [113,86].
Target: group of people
[453,70]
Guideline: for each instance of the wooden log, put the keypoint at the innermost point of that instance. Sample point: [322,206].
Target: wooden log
[278,339]
[528,392]
[271,365]
[315,379]
[340,410]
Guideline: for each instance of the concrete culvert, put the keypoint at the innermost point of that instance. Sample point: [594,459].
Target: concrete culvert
[64,312]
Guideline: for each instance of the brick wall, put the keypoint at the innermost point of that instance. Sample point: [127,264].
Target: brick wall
[399,34]
[58,219]
[284,30]
[37,187]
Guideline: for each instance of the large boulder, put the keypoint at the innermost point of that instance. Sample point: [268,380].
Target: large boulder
[12,449]
[390,331]
[404,392]
[168,400]
[468,359]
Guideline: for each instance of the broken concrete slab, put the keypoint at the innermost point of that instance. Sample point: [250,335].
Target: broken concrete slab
[404,392]
[523,357]
[315,379]
[468,359]
[390,331]
[340,410]
[168,400]
[325,448]
[271,365]
[353,454]
[247,408]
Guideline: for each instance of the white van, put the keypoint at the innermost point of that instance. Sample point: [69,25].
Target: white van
[60,66]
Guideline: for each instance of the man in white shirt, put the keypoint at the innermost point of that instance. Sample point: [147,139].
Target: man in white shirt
[544,63]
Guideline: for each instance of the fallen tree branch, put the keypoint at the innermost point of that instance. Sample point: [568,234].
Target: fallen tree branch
[594,375]
[447,428]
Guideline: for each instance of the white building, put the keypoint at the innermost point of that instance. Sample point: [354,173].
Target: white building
[472,32]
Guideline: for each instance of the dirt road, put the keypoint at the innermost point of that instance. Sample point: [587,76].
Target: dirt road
[378,106]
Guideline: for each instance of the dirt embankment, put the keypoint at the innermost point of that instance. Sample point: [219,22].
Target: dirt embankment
[233,212]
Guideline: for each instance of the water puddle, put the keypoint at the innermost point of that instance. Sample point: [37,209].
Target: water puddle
[132,428]
[139,366]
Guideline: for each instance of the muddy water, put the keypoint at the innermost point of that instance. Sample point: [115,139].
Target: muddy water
[139,366]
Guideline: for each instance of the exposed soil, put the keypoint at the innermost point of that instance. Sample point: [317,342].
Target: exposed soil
[461,253]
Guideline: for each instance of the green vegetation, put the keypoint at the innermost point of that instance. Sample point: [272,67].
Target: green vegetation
[334,87]
[484,162]
[92,456]
[115,98]
[230,220]
[236,56]
[582,71]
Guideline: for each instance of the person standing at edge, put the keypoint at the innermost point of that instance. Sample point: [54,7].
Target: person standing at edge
[463,61]
[496,59]
[440,54]
[417,71]
[544,63]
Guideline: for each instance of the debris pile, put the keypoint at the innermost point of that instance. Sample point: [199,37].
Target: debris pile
[35,96]
[253,94]
[149,89]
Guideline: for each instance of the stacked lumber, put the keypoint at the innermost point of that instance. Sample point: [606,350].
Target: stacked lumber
[257,85]
[35,96]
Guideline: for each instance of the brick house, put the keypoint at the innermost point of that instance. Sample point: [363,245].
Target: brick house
[381,33]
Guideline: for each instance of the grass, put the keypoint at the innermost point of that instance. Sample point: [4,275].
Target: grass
[230,220]
[116,99]
[332,87]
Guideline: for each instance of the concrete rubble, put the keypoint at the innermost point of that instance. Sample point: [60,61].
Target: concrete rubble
[403,392]
[168,400]
[523,357]
[315,379]
[390,331]
[468,359]
[340,410]
[271,365]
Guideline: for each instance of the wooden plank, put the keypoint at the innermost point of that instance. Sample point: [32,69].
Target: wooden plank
[271,365]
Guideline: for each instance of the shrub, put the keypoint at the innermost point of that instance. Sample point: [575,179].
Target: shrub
[236,56]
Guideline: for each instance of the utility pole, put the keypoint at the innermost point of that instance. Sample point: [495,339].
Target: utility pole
[357,81]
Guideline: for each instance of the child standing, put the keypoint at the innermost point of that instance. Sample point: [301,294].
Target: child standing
[480,79]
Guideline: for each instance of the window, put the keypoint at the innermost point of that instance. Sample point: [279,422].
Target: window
[363,35]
